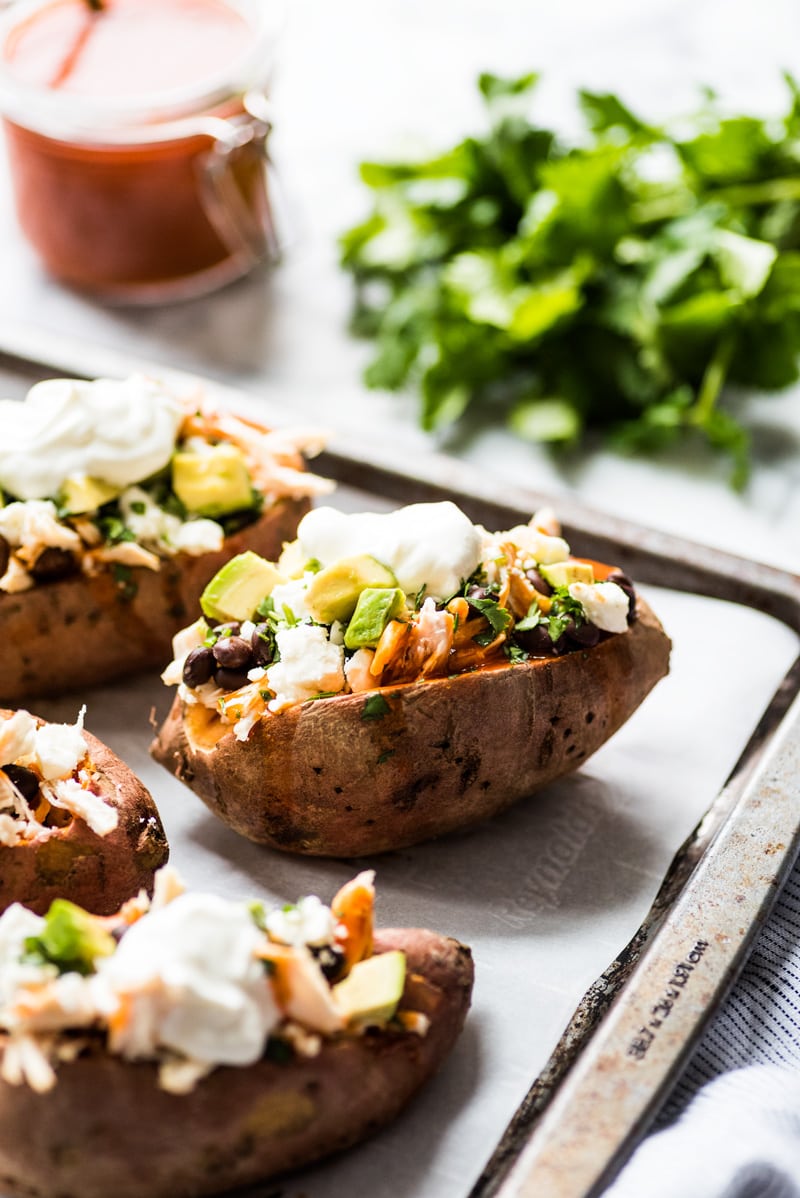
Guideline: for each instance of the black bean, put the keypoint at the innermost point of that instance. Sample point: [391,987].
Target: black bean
[586,635]
[53,563]
[198,667]
[24,779]
[5,554]
[535,579]
[230,680]
[262,643]
[330,960]
[625,584]
[480,593]
[536,641]
[234,653]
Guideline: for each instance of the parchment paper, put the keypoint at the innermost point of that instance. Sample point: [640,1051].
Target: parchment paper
[546,894]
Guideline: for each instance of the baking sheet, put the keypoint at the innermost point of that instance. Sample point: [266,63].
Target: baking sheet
[546,894]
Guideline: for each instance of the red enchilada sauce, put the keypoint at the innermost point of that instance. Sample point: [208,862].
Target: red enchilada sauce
[110,213]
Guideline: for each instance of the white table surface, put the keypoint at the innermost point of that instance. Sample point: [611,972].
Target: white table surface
[357,79]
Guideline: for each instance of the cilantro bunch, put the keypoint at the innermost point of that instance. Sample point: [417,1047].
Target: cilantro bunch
[615,284]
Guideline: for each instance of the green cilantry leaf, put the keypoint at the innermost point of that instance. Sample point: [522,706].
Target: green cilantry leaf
[623,283]
[123,577]
[384,757]
[375,708]
[114,530]
[258,913]
[499,618]
[278,1050]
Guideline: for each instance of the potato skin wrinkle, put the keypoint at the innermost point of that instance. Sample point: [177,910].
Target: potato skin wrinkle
[106,1128]
[97,872]
[325,779]
[84,630]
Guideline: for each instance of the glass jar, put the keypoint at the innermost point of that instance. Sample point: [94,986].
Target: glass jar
[144,197]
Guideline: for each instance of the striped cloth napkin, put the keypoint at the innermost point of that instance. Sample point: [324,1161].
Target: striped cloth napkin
[731,1126]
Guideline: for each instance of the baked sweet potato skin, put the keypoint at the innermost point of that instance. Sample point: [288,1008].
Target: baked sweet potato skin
[335,777]
[97,872]
[83,630]
[106,1127]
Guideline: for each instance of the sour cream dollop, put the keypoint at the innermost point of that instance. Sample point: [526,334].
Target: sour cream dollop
[120,431]
[426,544]
[191,979]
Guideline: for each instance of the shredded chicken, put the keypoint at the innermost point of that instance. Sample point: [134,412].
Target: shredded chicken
[26,1060]
[126,553]
[70,796]
[419,649]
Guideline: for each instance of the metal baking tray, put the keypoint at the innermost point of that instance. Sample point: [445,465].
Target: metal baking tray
[582,1110]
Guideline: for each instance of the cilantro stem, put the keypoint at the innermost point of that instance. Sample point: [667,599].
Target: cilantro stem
[668,207]
[770,191]
[713,379]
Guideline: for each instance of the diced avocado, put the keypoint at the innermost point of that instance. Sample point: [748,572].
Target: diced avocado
[333,593]
[212,483]
[236,590]
[80,494]
[375,608]
[562,574]
[371,991]
[71,938]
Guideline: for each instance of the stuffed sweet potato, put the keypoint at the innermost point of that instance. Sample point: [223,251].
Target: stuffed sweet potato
[74,821]
[205,1045]
[392,678]
[119,501]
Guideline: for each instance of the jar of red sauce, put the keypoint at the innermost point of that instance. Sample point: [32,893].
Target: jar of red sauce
[136,132]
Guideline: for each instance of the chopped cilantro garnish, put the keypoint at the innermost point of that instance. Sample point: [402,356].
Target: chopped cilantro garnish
[375,708]
[139,507]
[123,577]
[114,530]
[498,617]
[278,1050]
[258,913]
[385,756]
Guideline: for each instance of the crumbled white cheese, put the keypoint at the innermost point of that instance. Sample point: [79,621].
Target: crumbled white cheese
[197,537]
[59,748]
[16,578]
[542,548]
[357,670]
[13,830]
[190,978]
[36,523]
[163,531]
[17,737]
[292,595]
[425,544]
[307,922]
[604,604]
[17,923]
[309,664]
